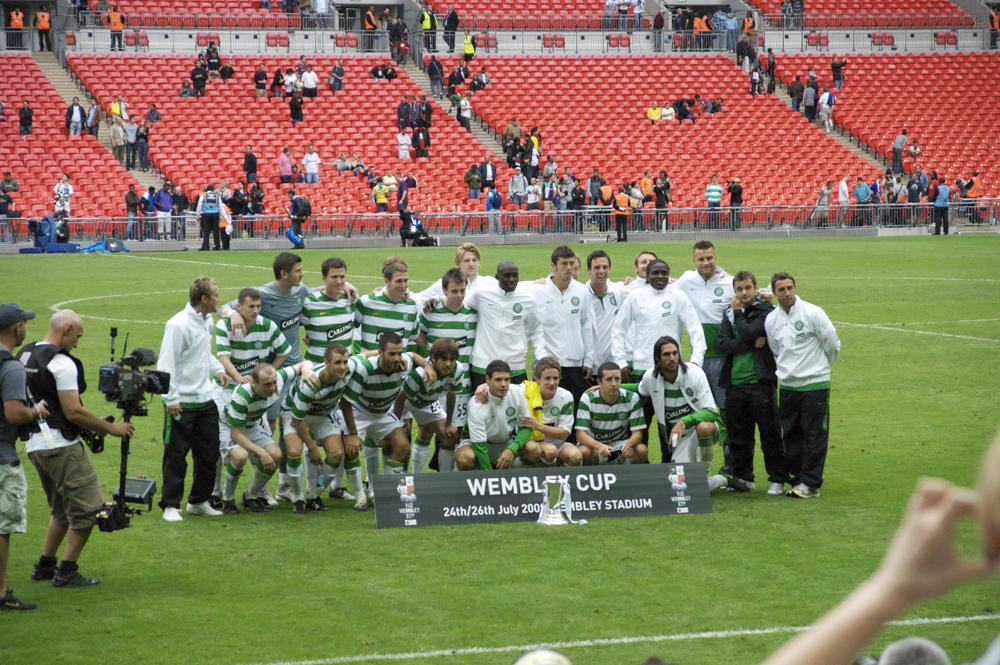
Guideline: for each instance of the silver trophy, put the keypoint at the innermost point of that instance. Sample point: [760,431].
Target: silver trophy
[553,498]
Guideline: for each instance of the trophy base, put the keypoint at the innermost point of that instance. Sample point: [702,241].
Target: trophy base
[552,517]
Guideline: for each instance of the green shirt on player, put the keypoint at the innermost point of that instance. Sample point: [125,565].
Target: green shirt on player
[328,321]
[247,407]
[370,388]
[610,423]
[304,400]
[377,314]
[459,326]
[256,346]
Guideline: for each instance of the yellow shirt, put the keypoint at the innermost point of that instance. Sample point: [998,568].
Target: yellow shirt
[654,112]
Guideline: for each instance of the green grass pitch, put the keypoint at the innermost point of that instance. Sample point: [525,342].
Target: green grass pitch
[914,393]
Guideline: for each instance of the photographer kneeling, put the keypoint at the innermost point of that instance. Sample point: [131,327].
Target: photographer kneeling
[56,450]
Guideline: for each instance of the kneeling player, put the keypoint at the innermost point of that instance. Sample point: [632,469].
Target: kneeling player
[250,437]
[313,416]
[552,420]
[422,399]
[609,422]
[496,436]
[685,409]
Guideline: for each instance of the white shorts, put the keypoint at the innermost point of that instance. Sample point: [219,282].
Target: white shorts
[494,450]
[428,414]
[259,433]
[558,443]
[320,427]
[376,426]
[461,416]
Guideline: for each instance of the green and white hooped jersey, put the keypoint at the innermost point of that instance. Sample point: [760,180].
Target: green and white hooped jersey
[247,407]
[610,423]
[256,346]
[421,395]
[459,326]
[558,411]
[327,322]
[377,314]
[371,389]
[304,400]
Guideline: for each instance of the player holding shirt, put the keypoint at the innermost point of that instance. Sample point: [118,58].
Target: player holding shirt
[496,436]
[422,400]
[609,422]
[552,420]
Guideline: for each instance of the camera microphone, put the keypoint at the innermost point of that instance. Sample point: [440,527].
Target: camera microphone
[143,356]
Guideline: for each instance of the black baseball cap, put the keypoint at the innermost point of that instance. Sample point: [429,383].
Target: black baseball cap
[11,314]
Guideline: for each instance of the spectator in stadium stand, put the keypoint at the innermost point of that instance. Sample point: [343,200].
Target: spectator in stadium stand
[213,63]
[658,23]
[488,173]
[116,25]
[25,116]
[809,103]
[421,141]
[260,81]
[795,91]
[826,103]
[403,113]
[9,183]
[131,139]
[227,72]
[713,196]
[186,89]
[837,68]
[199,76]
[821,214]
[994,28]
[862,197]
[915,151]
[755,83]
[63,194]
[285,166]
[256,200]
[163,206]
[118,140]
[278,83]
[735,190]
[435,72]
[468,47]
[250,165]
[94,116]
[425,112]
[749,24]
[142,144]
[450,26]
[653,113]
[533,195]
[897,152]
[473,181]
[75,115]
[942,195]
[131,212]
[43,23]
[403,143]
[465,111]
[843,198]
[310,82]
[152,115]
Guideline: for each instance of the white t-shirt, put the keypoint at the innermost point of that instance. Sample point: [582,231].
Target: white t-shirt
[64,370]
[309,79]
[311,162]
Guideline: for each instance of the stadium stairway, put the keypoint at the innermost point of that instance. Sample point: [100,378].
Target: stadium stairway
[488,141]
[68,88]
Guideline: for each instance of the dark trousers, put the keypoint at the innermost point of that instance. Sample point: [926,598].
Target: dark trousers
[449,39]
[940,217]
[44,43]
[209,227]
[750,406]
[130,154]
[195,430]
[805,431]
[621,227]
[116,38]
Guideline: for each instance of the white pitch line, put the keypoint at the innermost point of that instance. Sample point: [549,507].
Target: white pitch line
[239,265]
[876,326]
[907,279]
[936,323]
[610,641]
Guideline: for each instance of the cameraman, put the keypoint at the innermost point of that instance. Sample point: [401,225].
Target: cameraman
[14,414]
[54,447]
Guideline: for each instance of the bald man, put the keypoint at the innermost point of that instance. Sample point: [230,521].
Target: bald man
[56,450]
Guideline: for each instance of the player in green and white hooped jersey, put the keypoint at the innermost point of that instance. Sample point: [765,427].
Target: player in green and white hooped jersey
[451,319]
[250,436]
[496,436]
[609,422]
[370,395]
[239,354]
[682,401]
[311,415]
[422,400]
[389,311]
[328,318]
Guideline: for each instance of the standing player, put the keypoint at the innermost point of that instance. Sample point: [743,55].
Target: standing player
[552,408]
[389,311]
[748,376]
[496,436]
[605,298]
[262,342]
[649,312]
[451,320]
[467,260]
[805,345]
[422,399]
[682,401]
[312,415]
[507,321]
[710,291]
[609,422]
[250,437]
[370,395]
[565,320]
[328,317]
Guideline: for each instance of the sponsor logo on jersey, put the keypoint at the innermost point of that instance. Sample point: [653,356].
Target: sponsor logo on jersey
[339,331]
[616,434]
[246,365]
[289,323]
[675,414]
